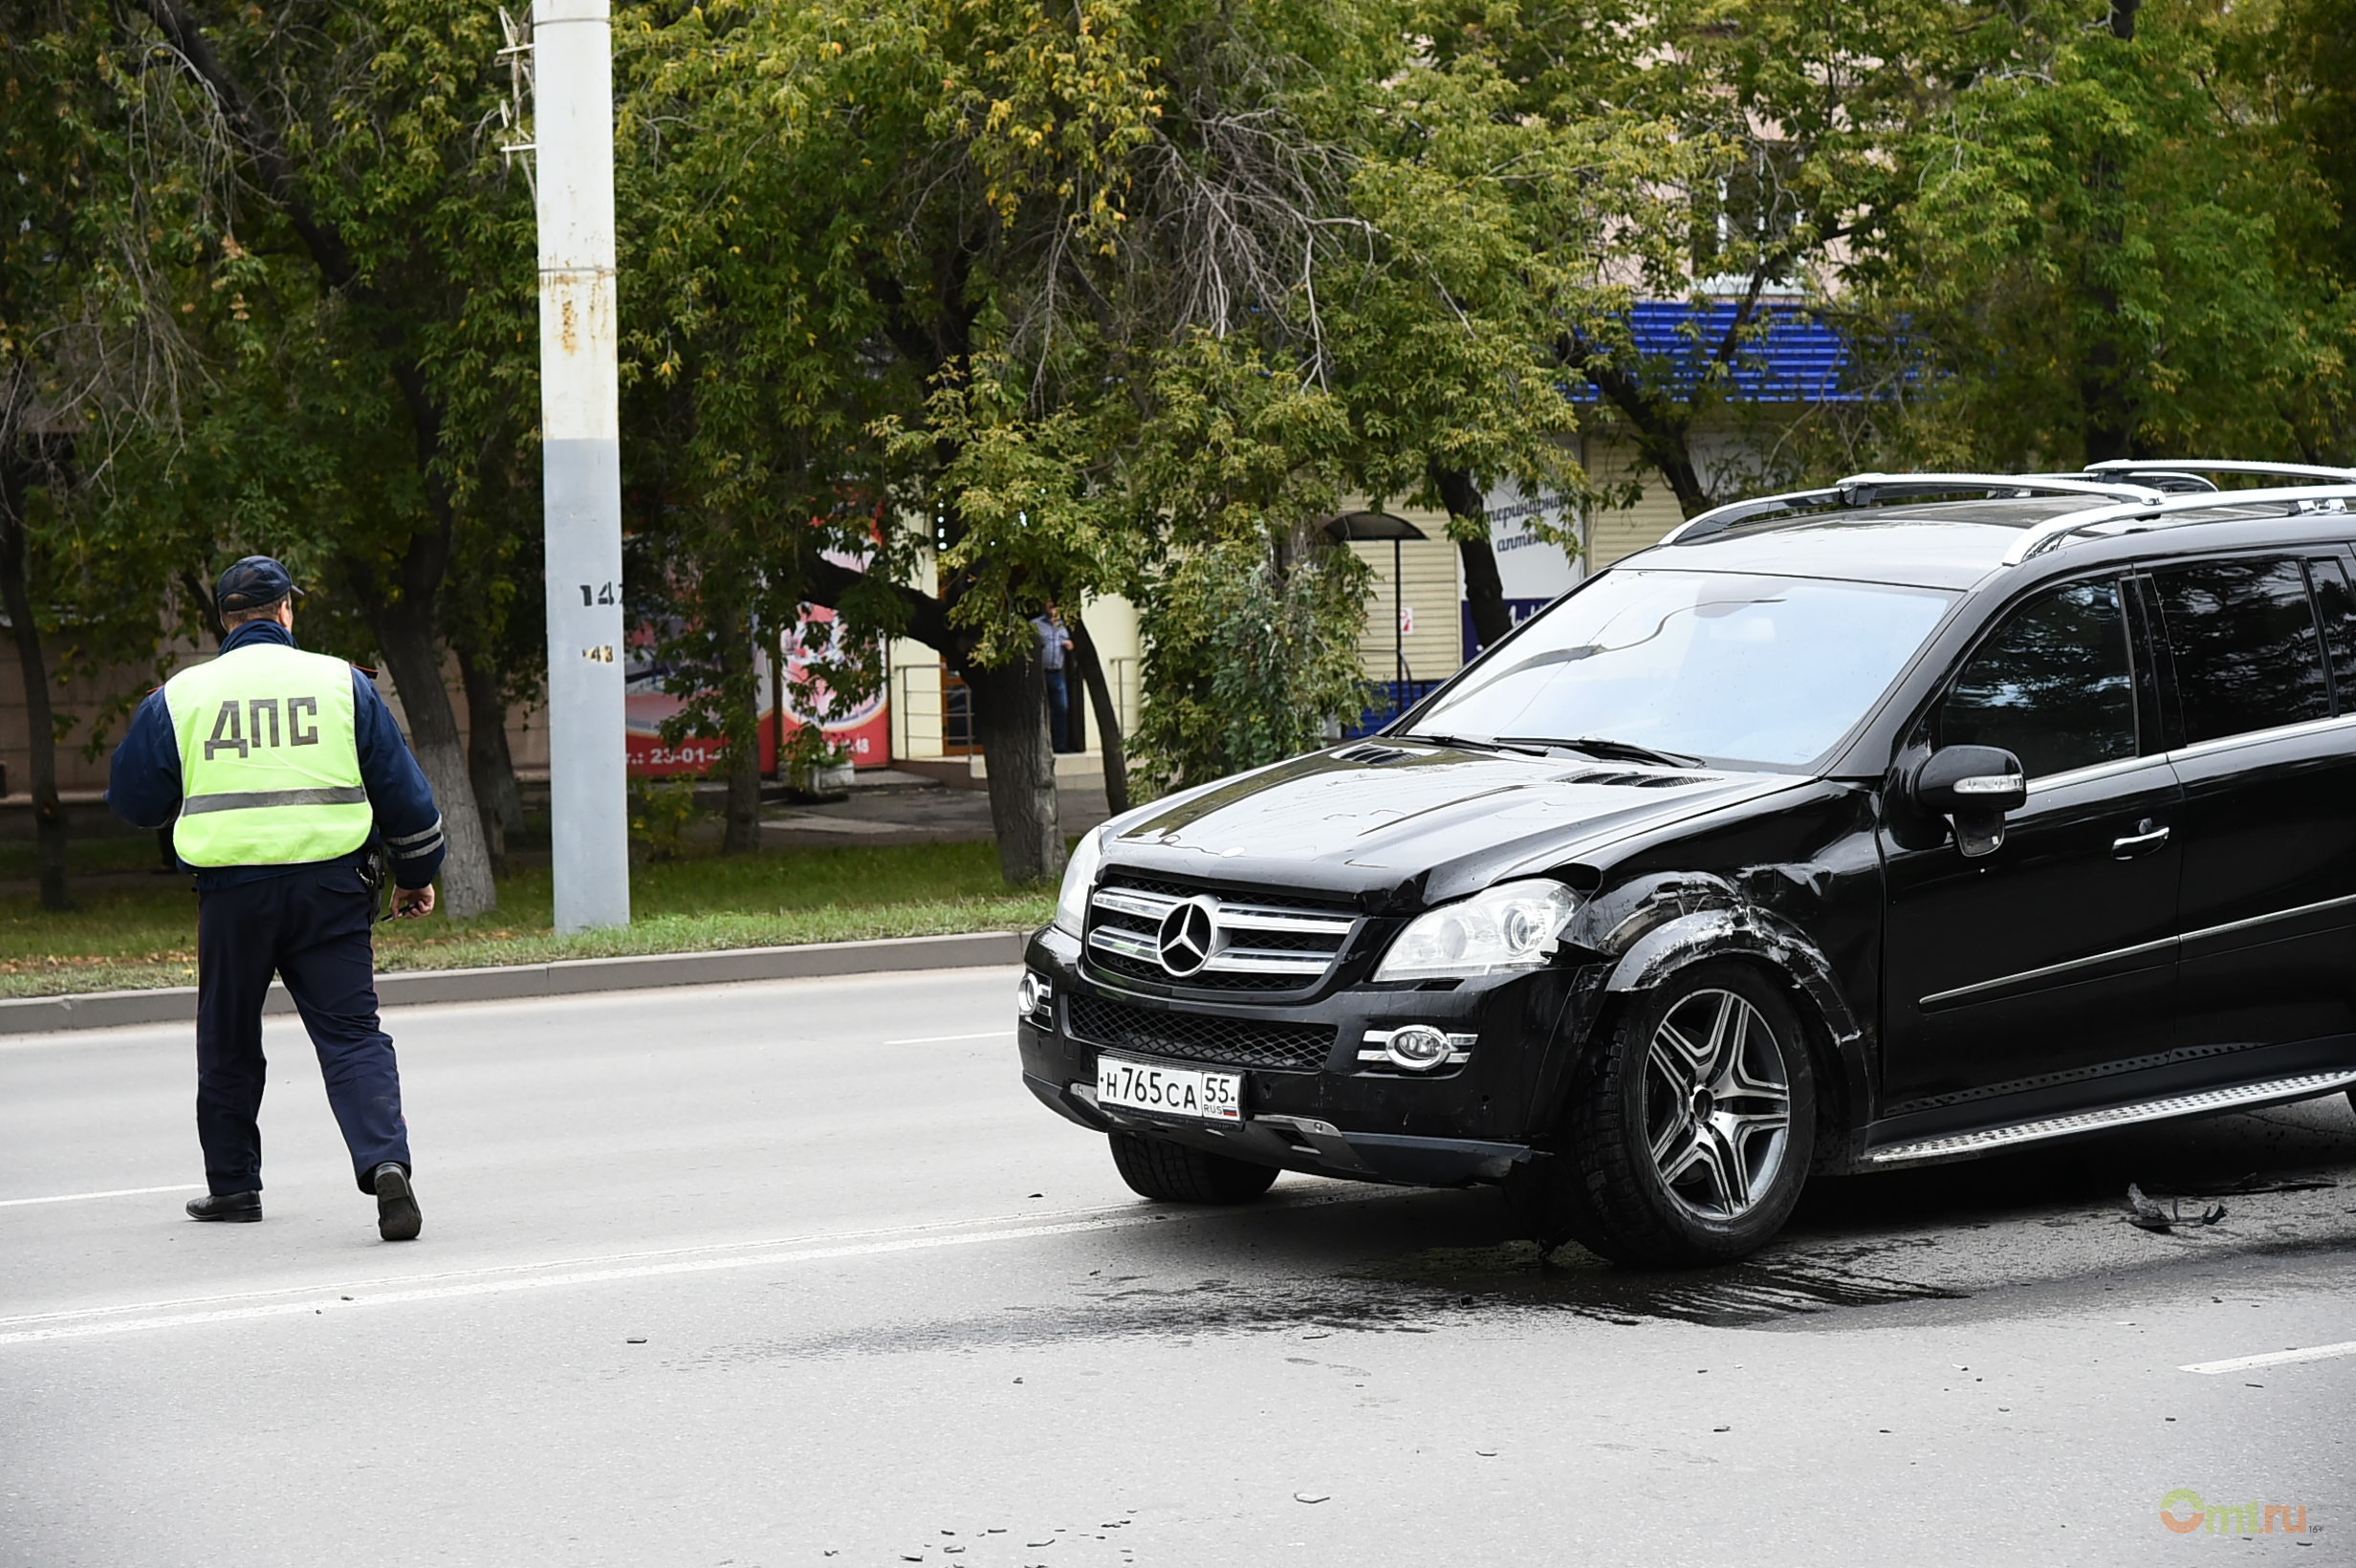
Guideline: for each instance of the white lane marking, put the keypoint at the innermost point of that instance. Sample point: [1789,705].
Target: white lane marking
[2274,1358]
[87,1322]
[944,1039]
[116,1192]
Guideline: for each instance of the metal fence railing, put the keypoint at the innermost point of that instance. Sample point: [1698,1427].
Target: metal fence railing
[929,701]
[1385,700]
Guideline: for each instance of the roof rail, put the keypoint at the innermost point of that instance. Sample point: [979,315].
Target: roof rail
[2334,498]
[2122,467]
[1866,490]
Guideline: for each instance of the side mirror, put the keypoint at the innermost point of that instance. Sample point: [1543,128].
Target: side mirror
[1973,787]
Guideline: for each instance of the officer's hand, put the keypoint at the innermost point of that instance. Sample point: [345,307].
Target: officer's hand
[410,903]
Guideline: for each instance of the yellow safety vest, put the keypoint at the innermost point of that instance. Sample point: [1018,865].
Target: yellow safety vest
[269,759]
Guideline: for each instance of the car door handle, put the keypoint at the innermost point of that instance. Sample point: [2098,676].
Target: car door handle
[2146,839]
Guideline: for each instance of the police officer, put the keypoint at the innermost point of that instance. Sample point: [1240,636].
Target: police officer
[286,768]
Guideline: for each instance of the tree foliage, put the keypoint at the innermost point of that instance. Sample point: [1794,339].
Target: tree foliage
[937,312]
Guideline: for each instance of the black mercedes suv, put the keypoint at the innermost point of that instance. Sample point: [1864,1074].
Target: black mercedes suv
[1913,819]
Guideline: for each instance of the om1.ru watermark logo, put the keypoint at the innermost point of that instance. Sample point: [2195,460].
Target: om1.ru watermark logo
[2184,1512]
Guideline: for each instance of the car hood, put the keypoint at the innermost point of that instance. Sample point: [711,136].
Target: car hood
[1420,822]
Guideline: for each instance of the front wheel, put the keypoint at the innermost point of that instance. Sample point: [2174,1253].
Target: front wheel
[1692,1140]
[1174,1173]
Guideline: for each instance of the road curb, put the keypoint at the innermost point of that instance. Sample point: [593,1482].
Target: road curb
[564,977]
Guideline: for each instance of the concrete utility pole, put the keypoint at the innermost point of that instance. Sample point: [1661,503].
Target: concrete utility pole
[581,459]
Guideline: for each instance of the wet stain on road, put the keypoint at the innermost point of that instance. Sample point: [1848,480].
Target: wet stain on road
[1763,1290]
[1421,1293]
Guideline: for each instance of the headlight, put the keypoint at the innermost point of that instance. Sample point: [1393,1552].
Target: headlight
[1079,877]
[1510,926]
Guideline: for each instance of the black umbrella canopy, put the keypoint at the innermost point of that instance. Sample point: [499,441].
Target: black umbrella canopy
[1373,525]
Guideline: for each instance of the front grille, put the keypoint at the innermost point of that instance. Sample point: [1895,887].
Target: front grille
[1193,1036]
[1148,969]
[1263,941]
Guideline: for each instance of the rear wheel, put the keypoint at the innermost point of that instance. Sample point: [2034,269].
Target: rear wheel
[1692,1138]
[1174,1173]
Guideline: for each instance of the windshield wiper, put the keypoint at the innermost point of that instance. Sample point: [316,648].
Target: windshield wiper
[1474,743]
[1608,750]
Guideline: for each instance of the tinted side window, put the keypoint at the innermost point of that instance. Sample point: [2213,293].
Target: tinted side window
[2338,607]
[2053,685]
[2246,651]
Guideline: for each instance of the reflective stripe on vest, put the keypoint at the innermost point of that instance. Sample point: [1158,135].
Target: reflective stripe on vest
[269,759]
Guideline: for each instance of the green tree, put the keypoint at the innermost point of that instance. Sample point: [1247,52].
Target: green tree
[2126,242]
[392,326]
[93,364]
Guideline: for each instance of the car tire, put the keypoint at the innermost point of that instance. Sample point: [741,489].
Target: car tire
[1689,1140]
[1174,1173]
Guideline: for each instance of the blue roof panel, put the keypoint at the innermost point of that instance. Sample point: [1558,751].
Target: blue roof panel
[1797,359]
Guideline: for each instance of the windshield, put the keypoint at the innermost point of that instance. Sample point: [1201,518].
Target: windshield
[1731,667]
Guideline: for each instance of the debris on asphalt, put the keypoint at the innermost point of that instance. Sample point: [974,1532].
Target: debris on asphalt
[1311,1497]
[2145,1214]
[2251,1184]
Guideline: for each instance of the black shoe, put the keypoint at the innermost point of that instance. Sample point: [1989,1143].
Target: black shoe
[397,1215]
[236,1208]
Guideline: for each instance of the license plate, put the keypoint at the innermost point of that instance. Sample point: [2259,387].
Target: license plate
[1172,1091]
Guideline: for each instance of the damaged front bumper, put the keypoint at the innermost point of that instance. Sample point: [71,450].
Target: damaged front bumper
[1470,1121]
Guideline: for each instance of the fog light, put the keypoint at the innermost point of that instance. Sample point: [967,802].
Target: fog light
[1035,996]
[1415,1048]
[1418,1048]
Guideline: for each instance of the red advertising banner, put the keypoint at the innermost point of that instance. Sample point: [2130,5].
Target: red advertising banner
[865,732]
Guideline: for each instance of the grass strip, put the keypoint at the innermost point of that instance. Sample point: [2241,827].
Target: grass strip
[135,938]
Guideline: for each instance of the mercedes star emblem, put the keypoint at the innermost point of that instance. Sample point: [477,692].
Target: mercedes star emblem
[1187,936]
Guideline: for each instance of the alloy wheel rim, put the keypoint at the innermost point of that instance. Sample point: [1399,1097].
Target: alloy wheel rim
[1718,1105]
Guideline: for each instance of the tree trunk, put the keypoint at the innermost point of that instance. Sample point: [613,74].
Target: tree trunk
[404,631]
[744,796]
[489,765]
[1107,717]
[1662,432]
[40,720]
[201,598]
[1010,719]
[1484,588]
[741,726]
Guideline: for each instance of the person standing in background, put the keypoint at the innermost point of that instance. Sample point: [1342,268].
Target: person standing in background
[1055,649]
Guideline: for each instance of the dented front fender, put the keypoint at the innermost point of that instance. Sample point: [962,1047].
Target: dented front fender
[1641,931]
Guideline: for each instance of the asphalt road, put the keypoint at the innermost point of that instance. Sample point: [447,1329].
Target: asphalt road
[797,1273]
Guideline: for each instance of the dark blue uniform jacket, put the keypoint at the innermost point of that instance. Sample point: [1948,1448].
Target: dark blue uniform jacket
[143,783]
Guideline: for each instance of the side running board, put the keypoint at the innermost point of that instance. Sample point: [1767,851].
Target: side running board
[2241,1097]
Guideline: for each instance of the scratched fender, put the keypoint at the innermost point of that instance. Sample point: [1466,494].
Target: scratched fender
[1651,927]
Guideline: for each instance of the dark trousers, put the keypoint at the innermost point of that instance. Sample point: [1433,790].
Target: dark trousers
[1059,711]
[313,927]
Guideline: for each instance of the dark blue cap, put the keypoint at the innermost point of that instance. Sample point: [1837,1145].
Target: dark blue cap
[253,582]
